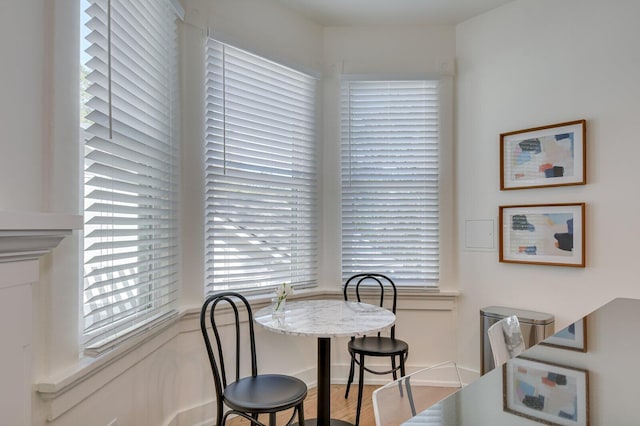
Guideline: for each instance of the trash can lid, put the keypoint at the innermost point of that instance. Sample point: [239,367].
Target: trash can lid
[524,316]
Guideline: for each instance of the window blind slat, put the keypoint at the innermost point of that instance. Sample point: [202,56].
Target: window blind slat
[122,282]
[132,151]
[129,188]
[136,284]
[130,267]
[121,133]
[129,243]
[127,176]
[390,172]
[124,309]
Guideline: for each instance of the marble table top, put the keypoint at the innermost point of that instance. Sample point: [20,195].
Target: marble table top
[326,318]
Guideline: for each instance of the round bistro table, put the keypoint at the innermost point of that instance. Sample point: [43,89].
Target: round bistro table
[325,319]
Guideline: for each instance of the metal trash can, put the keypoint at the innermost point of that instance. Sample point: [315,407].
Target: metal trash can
[536,326]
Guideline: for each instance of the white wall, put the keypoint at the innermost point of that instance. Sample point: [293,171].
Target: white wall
[39,155]
[21,108]
[532,63]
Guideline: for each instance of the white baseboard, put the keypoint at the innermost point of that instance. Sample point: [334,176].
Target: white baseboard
[340,373]
[199,415]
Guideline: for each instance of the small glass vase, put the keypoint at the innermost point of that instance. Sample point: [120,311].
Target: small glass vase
[277,307]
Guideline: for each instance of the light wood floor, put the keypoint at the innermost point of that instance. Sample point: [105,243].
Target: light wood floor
[341,408]
[345,409]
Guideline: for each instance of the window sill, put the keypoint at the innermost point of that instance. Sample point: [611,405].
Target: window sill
[408,297]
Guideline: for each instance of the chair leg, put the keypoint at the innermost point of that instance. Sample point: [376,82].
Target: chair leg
[360,389]
[219,414]
[410,396]
[393,367]
[402,370]
[350,380]
[394,371]
[301,414]
[272,419]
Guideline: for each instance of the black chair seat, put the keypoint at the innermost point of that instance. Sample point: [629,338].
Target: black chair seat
[265,393]
[377,346]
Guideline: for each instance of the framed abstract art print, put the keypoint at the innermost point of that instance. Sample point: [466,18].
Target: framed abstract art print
[572,337]
[547,393]
[553,155]
[543,234]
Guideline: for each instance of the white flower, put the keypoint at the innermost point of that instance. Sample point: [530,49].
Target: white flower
[282,291]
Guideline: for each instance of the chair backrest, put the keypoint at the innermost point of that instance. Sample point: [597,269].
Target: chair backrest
[233,310]
[506,340]
[377,288]
[400,400]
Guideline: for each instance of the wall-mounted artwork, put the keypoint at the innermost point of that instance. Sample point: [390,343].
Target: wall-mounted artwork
[546,393]
[553,155]
[573,337]
[543,234]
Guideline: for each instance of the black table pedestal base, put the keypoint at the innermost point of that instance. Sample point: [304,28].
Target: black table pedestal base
[324,388]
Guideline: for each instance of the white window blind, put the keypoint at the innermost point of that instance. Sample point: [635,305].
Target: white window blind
[390,213]
[131,157]
[260,172]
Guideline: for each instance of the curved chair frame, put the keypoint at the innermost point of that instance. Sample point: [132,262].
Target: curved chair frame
[390,407]
[376,346]
[248,396]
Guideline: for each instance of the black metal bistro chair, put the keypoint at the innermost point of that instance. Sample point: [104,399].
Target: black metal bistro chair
[251,395]
[376,286]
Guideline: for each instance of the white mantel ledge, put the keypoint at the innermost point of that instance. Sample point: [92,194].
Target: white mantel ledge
[30,235]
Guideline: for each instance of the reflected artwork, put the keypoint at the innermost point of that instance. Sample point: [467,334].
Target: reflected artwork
[548,393]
